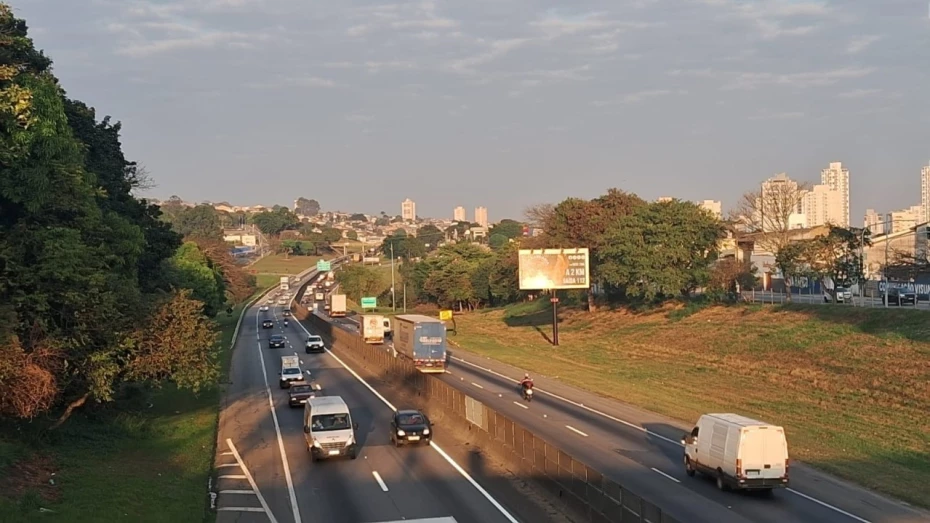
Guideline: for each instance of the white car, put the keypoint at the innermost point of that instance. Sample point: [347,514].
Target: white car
[263,308]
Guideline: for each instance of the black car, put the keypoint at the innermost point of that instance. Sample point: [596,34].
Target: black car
[410,426]
[267,324]
[898,296]
[301,391]
[276,341]
[286,313]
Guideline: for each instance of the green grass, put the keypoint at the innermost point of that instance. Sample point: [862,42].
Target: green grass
[126,463]
[282,265]
[849,384]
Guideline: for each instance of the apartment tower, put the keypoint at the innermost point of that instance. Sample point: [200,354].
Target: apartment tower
[836,178]
[408,210]
[458,214]
[481,216]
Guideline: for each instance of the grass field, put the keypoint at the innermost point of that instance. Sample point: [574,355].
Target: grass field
[127,464]
[281,265]
[851,385]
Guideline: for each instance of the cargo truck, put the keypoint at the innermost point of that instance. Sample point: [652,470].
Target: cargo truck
[371,328]
[320,296]
[337,305]
[421,339]
[290,371]
[285,283]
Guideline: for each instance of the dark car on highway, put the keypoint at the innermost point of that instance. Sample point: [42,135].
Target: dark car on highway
[898,296]
[267,324]
[410,426]
[276,341]
[301,391]
[286,313]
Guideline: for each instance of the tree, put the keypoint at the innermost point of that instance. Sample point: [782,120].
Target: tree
[768,213]
[358,217]
[238,283]
[191,269]
[510,229]
[431,236]
[351,235]
[201,221]
[497,241]
[307,207]
[275,221]
[331,235]
[358,281]
[837,256]
[661,249]
[729,276]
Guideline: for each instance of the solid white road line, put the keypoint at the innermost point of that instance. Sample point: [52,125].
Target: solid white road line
[240,509]
[517,403]
[379,480]
[432,444]
[248,475]
[649,432]
[573,429]
[476,385]
[227,465]
[666,475]
[227,453]
[244,492]
[233,476]
[277,429]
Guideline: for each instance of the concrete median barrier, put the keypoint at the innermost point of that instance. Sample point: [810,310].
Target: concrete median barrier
[578,486]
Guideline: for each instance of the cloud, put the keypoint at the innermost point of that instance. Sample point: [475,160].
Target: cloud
[373,66]
[767,114]
[638,97]
[494,50]
[358,118]
[294,81]
[203,40]
[773,19]
[860,44]
[418,15]
[752,80]
[859,93]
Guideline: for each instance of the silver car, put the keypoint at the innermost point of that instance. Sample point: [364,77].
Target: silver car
[843,295]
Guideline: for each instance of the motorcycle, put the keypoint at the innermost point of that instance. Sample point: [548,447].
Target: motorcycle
[528,393]
[285,323]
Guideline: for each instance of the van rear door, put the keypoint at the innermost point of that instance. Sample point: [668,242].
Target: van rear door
[763,453]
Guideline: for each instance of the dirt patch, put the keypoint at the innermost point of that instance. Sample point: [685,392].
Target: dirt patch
[33,474]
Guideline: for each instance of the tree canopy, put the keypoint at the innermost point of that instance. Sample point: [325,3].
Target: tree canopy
[90,293]
[307,207]
[276,221]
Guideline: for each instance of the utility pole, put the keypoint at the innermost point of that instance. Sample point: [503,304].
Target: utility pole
[393,299]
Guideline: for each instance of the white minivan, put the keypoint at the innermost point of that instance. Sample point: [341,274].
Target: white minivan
[328,428]
[737,451]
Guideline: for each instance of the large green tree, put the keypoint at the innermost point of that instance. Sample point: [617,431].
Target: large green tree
[275,221]
[307,207]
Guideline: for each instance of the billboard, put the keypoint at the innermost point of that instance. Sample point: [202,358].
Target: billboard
[546,269]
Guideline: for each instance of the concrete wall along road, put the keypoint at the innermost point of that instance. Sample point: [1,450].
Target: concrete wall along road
[580,487]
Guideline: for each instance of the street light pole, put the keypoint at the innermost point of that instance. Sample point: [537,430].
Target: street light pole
[393,298]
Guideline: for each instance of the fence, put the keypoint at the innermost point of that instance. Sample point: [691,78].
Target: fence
[581,488]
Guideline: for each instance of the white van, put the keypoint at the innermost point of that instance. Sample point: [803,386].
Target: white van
[737,451]
[328,428]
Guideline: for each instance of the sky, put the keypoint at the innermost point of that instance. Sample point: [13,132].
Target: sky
[500,103]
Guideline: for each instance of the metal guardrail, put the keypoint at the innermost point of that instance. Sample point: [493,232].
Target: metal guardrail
[580,487]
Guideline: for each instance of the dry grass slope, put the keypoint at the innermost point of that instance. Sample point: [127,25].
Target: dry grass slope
[851,386]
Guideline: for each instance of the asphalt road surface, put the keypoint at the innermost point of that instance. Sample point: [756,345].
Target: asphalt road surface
[265,472]
[643,450]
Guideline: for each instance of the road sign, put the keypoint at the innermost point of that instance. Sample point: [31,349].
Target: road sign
[445,315]
[323,266]
[369,303]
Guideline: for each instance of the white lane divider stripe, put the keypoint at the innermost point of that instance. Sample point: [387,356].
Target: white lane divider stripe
[233,476]
[227,465]
[248,476]
[517,403]
[240,509]
[379,480]
[244,492]
[649,432]
[666,475]
[277,428]
[432,444]
[573,429]
[476,385]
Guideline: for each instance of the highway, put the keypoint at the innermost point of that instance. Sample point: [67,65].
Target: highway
[264,471]
[642,450]
[817,299]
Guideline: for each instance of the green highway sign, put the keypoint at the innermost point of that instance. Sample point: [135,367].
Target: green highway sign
[369,303]
[323,266]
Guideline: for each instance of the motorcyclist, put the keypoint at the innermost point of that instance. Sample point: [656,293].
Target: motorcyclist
[285,322]
[526,382]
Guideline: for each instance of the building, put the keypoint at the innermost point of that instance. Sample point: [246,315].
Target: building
[458,214]
[822,205]
[925,193]
[777,193]
[664,199]
[903,220]
[874,222]
[714,207]
[481,216]
[836,178]
[408,210]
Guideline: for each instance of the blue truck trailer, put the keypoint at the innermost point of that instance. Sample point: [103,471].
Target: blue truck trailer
[423,340]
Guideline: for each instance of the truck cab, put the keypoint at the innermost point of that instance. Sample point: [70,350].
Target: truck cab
[329,429]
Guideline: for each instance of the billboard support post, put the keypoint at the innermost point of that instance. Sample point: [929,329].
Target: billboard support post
[555,318]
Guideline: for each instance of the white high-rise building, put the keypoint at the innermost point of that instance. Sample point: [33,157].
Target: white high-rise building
[903,220]
[775,191]
[925,194]
[408,210]
[714,207]
[836,177]
[873,222]
[821,206]
[481,216]
[458,214]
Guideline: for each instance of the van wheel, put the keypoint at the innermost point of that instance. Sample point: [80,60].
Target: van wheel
[689,470]
[721,483]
